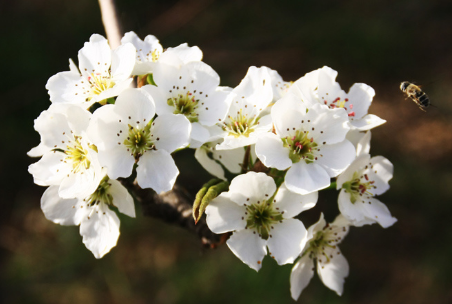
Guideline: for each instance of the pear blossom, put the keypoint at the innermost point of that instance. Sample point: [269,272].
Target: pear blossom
[321,250]
[359,184]
[193,90]
[243,124]
[321,86]
[99,225]
[68,160]
[127,133]
[148,51]
[309,142]
[260,216]
[102,73]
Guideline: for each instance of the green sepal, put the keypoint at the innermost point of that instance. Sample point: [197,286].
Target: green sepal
[206,194]
[111,100]
[150,79]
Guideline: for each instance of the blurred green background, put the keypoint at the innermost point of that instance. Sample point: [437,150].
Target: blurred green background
[380,43]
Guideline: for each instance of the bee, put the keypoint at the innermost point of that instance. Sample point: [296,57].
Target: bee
[416,94]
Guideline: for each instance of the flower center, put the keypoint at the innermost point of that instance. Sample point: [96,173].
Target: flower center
[301,147]
[242,125]
[318,245]
[78,156]
[261,217]
[139,140]
[359,186]
[100,83]
[101,195]
[338,103]
[186,105]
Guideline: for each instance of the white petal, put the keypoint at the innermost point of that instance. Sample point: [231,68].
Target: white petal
[251,187]
[318,226]
[354,213]
[301,275]
[248,247]
[256,87]
[305,178]
[293,203]
[287,114]
[100,231]
[61,211]
[360,95]
[224,215]
[157,170]
[185,53]
[95,56]
[170,132]
[214,108]
[67,87]
[327,125]
[209,164]
[231,159]
[368,122]
[272,153]
[377,211]
[334,272]
[50,169]
[363,145]
[122,61]
[118,161]
[287,240]
[336,157]
[38,151]
[136,104]
[80,184]
[121,198]
[199,135]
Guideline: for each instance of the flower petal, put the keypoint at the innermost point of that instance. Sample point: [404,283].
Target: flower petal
[248,247]
[224,215]
[368,122]
[334,272]
[121,198]
[377,211]
[209,164]
[251,187]
[122,61]
[100,231]
[305,178]
[287,240]
[170,132]
[157,170]
[293,203]
[272,153]
[301,275]
[61,211]
[95,56]
[336,157]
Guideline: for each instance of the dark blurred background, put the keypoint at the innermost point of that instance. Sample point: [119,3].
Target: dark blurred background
[380,43]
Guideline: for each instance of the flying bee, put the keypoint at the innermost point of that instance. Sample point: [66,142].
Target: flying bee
[416,94]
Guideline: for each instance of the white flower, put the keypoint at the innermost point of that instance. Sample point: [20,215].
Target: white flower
[260,217]
[243,124]
[99,225]
[192,90]
[67,161]
[321,249]
[360,183]
[309,141]
[321,86]
[147,52]
[103,74]
[125,133]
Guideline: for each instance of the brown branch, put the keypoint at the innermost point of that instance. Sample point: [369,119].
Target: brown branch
[174,207]
[111,22]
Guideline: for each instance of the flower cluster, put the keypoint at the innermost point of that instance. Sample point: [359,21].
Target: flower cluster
[276,143]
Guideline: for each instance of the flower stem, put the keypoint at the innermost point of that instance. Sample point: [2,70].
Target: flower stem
[111,22]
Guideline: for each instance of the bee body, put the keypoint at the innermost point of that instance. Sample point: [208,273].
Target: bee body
[416,94]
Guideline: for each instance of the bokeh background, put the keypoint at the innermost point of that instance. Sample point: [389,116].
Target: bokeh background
[380,43]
